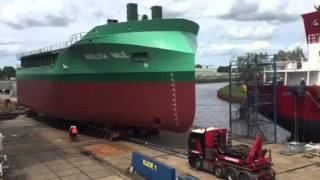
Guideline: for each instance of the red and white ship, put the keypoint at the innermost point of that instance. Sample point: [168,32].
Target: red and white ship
[300,113]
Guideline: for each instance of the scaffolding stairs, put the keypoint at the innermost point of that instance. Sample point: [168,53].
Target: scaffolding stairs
[259,107]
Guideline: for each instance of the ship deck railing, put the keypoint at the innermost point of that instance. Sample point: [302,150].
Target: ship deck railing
[73,39]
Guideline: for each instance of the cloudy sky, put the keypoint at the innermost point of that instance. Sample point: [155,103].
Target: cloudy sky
[227,27]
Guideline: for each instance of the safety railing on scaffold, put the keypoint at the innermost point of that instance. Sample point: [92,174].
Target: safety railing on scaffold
[73,39]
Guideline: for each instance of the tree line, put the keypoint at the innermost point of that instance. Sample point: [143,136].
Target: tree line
[296,55]
[7,72]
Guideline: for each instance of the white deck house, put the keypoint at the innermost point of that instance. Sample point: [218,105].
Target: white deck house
[291,72]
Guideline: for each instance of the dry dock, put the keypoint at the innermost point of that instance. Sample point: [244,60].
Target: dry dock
[38,150]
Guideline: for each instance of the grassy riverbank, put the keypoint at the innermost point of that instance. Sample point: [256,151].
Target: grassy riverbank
[238,94]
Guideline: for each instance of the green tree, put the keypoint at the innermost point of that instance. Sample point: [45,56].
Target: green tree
[223,69]
[9,71]
[281,56]
[263,56]
[249,58]
[242,62]
[2,75]
[198,66]
[294,55]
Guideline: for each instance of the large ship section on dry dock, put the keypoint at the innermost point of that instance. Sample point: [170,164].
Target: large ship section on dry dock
[137,73]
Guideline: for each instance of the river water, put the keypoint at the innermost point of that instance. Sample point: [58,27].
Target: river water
[210,110]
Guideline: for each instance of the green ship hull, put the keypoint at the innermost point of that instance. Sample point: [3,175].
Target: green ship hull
[136,73]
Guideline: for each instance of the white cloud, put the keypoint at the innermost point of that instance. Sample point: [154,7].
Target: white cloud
[257,45]
[20,14]
[247,25]
[222,48]
[297,44]
[256,31]
[7,41]
[260,11]
[234,48]
[9,47]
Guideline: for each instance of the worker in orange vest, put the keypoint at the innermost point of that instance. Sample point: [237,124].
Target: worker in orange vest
[73,133]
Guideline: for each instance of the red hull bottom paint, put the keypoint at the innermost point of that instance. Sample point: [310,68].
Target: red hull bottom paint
[306,106]
[162,105]
[305,109]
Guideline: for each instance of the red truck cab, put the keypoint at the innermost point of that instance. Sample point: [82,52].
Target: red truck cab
[211,149]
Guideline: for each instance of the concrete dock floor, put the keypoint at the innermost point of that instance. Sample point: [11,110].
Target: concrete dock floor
[38,150]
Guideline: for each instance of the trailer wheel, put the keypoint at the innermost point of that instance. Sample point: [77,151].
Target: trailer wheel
[31,114]
[272,174]
[198,164]
[108,136]
[245,176]
[219,171]
[231,174]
